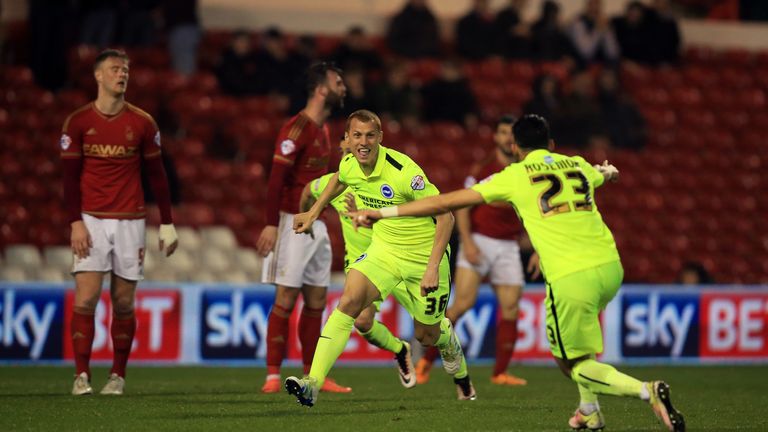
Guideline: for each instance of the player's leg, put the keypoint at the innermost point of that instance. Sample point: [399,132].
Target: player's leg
[284,267]
[430,326]
[89,275]
[122,330]
[277,335]
[377,334]
[87,292]
[466,284]
[508,297]
[507,279]
[359,293]
[128,269]
[310,321]
[574,328]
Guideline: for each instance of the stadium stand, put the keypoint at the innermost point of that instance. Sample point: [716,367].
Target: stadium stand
[673,195]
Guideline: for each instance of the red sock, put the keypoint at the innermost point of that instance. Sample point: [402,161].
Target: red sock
[309,332]
[123,329]
[82,340]
[506,337]
[277,338]
[431,354]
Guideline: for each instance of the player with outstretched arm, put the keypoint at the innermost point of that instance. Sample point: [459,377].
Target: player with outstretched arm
[554,196]
[356,241]
[413,251]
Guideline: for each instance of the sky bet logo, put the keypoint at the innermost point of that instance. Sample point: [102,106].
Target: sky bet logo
[660,325]
[234,324]
[30,324]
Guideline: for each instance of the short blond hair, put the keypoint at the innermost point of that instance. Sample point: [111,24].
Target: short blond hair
[364,116]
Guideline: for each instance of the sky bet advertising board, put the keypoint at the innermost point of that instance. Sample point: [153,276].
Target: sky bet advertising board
[199,324]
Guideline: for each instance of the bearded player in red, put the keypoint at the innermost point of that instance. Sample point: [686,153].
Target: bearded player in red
[296,263]
[103,146]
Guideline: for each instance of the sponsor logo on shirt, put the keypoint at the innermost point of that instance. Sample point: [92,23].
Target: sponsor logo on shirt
[65,141]
[417,182]
[387,192]
[157,138]
[108,150]
[287,147]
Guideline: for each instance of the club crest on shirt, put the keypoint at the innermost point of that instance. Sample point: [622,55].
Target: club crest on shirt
[128,133]
[386,191]
[65,141]
[470,181]
[361,257]
[417,182]
[287,147]
[157,138]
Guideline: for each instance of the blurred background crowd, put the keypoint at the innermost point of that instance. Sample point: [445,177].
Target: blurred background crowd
[685,124]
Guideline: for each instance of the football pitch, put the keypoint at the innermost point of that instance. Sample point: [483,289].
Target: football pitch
[226,399]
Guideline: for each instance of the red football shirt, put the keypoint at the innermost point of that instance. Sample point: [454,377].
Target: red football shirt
[112,148]
[306,148]
[497,220]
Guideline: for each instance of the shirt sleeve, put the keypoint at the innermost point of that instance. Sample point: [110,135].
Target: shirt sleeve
[71,141]
[416,185]
[150,140]
[318,185]
[289,143]
[497,187]
[593,175]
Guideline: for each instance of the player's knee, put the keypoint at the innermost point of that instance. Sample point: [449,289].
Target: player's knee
[509,312]
[122,306]
[426,335]
[286,299]
[350,306]
[364,323]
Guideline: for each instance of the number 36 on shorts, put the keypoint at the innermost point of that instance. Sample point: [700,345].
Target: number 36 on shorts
[435,306]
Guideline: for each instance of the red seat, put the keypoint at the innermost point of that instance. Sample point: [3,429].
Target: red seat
[736,78]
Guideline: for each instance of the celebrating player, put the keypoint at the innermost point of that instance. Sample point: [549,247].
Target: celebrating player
[554,194]
[411,251]
[488,247]
[103,146]
[355,244]
[299,264]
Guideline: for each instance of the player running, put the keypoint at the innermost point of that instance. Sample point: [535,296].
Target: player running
[298,264]
[412,251]
[554,195]
[489,248]
[103,147]
[355,244]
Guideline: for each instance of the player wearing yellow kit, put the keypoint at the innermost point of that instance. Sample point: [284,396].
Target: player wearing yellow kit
[554,197]
[407,258]
[356,241]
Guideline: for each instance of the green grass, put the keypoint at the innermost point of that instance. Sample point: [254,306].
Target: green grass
[225,399]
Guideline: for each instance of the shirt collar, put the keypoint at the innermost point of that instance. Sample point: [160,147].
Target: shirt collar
[380,160]
[535,153]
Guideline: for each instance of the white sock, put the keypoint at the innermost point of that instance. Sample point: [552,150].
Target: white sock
[273,376]
[644,394]
[589,408]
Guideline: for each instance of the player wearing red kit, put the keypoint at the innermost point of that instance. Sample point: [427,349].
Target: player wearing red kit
[489,248]
[298,263]
[103,146]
